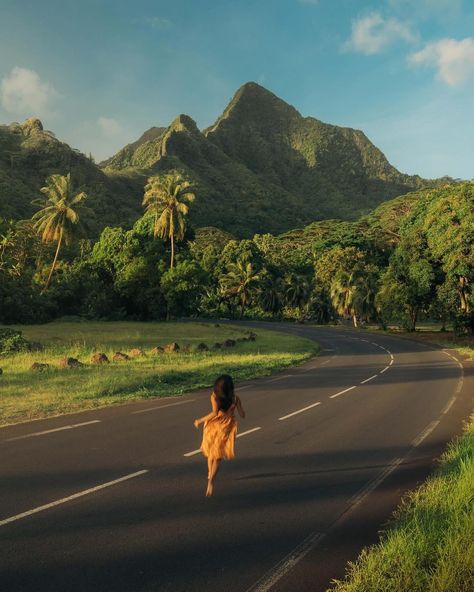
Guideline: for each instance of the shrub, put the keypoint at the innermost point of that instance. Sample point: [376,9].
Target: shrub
[12,341]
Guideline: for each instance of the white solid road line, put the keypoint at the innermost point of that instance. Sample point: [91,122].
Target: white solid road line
[52,431]
[162,406]
[384,370]
[342,392]
[425,433]
[268,580]
[299,411]
[71,497]
[368,379]
[193,452]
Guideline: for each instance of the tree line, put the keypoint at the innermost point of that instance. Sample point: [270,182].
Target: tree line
[411,260]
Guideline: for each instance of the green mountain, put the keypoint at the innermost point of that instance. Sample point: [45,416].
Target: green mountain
[261,167]
[28,154]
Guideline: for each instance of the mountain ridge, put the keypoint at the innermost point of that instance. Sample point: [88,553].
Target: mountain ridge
[261,167]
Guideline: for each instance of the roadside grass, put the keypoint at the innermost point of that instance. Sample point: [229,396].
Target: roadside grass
[26,395]
[429,545]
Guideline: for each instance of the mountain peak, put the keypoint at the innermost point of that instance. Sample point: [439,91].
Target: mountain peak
[184,123]
[31,125]
[253,102]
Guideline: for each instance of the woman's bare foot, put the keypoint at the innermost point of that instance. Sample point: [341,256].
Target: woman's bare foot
[210,489]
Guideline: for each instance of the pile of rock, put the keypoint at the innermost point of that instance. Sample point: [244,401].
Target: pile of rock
[99,358]
[70,363]
[136,353]
[39,367]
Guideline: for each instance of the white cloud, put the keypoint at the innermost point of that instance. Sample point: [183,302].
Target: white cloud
[454,60]
[373,33]
[110,126]
[22,92]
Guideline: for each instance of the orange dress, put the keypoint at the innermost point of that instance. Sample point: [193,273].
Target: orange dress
[219,433]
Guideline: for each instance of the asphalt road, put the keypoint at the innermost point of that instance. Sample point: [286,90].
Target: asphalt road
[113,499]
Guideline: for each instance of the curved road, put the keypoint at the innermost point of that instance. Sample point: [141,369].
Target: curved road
[112,499]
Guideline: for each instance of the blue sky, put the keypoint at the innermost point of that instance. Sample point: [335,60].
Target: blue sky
[100,72]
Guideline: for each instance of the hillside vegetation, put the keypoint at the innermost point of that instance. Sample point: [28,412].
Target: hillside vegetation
[261,167]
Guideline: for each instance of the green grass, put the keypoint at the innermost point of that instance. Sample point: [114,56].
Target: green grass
[26,395]
[429,546]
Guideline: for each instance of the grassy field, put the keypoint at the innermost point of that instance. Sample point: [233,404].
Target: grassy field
[25,394]
[429,546]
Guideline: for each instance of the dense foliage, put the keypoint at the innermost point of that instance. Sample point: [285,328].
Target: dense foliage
[260,167]
[411,258]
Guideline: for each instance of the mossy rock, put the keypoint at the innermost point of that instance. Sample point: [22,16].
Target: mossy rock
[70,363]
[157,351]
[99,358]
[136,353]
[39,367]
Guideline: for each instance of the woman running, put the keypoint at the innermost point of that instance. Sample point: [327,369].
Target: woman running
[220,427]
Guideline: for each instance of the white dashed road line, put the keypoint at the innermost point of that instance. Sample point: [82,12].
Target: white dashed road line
[71,497]
[299,411]
[162,406]
[342,392]
[52,431]
[369,379]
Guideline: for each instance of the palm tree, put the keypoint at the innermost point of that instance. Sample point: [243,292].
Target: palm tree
[344,288]
[298,290]
[271,291]
[58,219]
[238,282]
[165,198]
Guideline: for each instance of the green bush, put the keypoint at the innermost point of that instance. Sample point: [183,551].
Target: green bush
[12,341]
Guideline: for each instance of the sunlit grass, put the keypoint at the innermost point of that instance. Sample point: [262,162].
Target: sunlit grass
[429,546]
[26,395]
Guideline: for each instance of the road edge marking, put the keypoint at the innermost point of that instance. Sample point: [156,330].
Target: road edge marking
[299,411]
[71,497]
[54,430]
[342,392]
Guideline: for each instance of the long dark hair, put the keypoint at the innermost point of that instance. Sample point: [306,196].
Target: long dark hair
[224,391]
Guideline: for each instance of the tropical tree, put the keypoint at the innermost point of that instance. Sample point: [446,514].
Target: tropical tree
[58,219]
[165,199]
[343,293]
[298,290]
[271,291]
[239,281]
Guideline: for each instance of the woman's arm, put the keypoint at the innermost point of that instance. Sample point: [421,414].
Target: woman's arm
[240,407]
[213,413]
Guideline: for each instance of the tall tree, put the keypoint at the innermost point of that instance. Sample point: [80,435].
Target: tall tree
[58,218]
[343,293]
[165,199]
[239,282]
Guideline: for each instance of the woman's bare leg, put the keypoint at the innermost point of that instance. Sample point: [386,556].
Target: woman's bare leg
[209,468]
[214,469]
